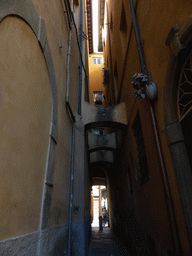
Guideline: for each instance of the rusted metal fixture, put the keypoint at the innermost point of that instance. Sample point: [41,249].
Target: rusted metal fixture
[141,83]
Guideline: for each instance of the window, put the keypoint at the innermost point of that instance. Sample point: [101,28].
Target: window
[184,96]
[97,60]
[184,103]
[143,172]
[98,97]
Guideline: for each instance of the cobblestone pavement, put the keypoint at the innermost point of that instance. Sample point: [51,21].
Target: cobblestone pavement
[105,243]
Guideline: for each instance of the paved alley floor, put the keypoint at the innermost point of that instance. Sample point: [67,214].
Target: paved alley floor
[105,243]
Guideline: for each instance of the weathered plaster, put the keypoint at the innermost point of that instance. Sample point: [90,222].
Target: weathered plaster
[26,11]
[53,243]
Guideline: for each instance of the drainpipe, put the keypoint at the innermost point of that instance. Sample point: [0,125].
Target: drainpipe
[71,192]
[168,198]
[80,59]
[138,40]
[110,56]
[72,118]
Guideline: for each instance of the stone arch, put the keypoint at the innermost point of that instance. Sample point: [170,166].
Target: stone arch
[173,129]
[25,10]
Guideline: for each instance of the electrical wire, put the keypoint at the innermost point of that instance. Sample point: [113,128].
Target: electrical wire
[69,11]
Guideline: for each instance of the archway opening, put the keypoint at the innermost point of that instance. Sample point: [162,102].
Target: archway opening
[99,205]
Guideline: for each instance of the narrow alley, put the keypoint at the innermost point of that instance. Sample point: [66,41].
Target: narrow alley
[96,113]
[105,243]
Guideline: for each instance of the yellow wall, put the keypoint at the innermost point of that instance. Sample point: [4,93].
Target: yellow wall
[25,120]
[95,76]
[155,21]
[26,109]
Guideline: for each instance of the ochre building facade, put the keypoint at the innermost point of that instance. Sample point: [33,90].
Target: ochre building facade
[39,59]
[55,144]
[152,38]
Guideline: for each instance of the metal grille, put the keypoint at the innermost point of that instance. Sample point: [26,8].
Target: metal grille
[184,95]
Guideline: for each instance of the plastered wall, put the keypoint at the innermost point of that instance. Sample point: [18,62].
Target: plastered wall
[36,131]
[25,115]
[148,202]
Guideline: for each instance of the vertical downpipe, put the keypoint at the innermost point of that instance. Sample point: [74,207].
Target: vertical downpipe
[80,60]
[71,192]
[72,118]
[138,40]
[168,198]
[68,65]
[111,64]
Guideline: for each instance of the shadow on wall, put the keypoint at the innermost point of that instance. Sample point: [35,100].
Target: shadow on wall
[126,227]
[60,249]
[60,246]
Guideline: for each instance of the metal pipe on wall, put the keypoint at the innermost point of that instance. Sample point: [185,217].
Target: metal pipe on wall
[80,59]
[68,107]
[68,78]
[71,192]
[72,118]
[168,198]
[111,64]
[137,37]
